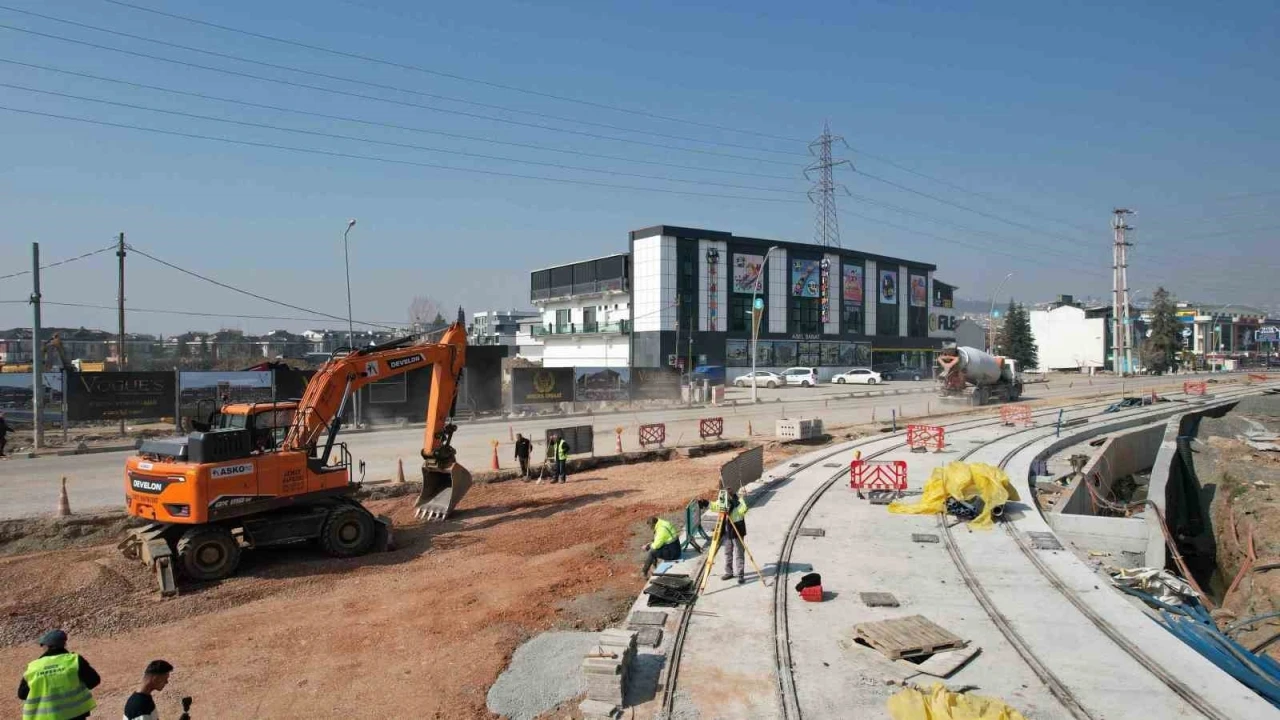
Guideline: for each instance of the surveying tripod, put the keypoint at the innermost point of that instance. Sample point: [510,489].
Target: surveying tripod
[721,522]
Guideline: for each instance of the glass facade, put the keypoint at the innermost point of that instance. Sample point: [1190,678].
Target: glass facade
[786,353]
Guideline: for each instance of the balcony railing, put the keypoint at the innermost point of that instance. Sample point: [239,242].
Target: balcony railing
[580,288]
[617,328]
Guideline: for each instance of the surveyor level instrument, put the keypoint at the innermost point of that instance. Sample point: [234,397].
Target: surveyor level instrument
[723,521]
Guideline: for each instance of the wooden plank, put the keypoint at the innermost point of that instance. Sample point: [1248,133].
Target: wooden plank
[942,664]
[909,636]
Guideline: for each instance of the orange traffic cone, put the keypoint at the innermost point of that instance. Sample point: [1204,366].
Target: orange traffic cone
[495,453]
[64,504]
[399,470]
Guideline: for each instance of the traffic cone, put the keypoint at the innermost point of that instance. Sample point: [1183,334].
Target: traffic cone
[494,465]
[64,504]
[399,470]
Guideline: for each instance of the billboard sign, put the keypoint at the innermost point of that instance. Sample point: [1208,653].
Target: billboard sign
[746,272]
[888,287]
[533,385]
[804,278]
[655,384]
[604,384]
[853,285]
[919,291]
[1270,333]
[120,395]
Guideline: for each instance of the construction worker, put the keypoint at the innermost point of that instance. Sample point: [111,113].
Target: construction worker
[140,705]
[56,685]
[736,519]
[4,433]
[523,449]
[665,545]
[561,455]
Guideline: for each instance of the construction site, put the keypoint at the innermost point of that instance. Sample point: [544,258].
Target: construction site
[495,595]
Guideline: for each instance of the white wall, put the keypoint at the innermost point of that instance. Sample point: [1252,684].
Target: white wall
[653,284]
[587,351]
[1066,339]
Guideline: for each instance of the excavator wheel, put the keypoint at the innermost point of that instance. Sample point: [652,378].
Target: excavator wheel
[348,531]
[208,552]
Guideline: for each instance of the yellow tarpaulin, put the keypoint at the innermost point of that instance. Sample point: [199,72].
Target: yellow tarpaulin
[938,703]
[962,481]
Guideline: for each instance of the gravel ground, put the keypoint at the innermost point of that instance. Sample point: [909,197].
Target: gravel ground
[543,673]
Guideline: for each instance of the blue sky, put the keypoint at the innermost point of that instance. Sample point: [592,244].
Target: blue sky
[1037,120]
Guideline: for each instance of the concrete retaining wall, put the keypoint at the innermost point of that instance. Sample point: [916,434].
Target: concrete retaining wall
[1122,454]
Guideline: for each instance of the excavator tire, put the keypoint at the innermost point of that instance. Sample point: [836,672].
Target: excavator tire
[208,552]
[348,531]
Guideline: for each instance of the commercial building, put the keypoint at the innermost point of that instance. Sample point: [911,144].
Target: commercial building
[683,297]
[498,327]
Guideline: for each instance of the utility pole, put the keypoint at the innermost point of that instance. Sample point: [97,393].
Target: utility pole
[1122,329]
[37,362]
[120,357]
[826,230]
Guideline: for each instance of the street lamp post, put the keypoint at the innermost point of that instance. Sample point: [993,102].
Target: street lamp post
[346,258]
[991,323]
[757,312]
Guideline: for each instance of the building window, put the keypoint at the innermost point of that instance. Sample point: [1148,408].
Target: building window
[737,353]
[564,320]
[853,317]
[739,313]
[805,315]
[784,353]
[810,354]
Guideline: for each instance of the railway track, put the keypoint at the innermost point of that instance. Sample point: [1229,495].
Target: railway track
[788,700]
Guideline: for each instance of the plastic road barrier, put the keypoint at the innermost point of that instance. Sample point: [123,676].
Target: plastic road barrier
[922,437]
[653,434]
[711,427]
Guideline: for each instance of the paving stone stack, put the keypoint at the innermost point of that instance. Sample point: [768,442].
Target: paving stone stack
[606,670]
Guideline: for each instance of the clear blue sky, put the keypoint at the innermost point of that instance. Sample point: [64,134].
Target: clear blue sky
[1055,115]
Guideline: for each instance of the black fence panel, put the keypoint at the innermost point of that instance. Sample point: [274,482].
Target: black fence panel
[114,395]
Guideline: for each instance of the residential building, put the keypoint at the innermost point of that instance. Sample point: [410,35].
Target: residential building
[585,310]
[498,327]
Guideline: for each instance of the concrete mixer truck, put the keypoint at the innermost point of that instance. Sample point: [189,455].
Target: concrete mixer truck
[969,374]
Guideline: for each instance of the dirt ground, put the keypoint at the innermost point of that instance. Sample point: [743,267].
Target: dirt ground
[1246,518]
[421,632]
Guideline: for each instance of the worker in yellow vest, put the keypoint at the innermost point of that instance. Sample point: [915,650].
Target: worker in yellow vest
[56,685]
[665,545]
[736,509]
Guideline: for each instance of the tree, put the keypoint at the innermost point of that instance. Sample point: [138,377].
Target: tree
[424,312]
[1015,340]
[1160,351]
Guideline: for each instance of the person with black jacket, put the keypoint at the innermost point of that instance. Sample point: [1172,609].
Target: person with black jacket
[524,448]
[4,433]
[50,674]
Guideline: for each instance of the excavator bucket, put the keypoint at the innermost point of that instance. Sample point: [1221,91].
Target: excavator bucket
[441,492]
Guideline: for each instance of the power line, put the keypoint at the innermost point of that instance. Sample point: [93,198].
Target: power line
[452,76]
[91,253]
[392,126]
[409,146]
[382,86]
[233,288]
[193,313]
[396,161]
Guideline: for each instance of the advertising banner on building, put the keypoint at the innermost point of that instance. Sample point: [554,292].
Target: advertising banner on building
[746,272]
[804,278]
[919,291]
[888,287]
[531,386]
[601,384]
[655,384]
[115,395]
[853,283]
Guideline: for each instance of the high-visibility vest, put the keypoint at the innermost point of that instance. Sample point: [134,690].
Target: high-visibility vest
[663,533]
[737,514]
[562,450]
[55,691]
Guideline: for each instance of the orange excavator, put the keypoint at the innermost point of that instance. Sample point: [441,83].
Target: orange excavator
[263,474]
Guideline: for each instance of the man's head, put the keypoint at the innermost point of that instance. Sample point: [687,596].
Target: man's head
[54,640]
[652,521]
[519,436]
[156,676]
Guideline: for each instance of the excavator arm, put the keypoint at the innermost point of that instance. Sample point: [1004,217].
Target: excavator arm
[324,404]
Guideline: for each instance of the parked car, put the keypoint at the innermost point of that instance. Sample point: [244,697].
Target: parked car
[802,376]
[762,378]
[863,376]
[713,373]
[890,371]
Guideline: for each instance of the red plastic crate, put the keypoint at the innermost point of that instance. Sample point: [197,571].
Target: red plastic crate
[813,593]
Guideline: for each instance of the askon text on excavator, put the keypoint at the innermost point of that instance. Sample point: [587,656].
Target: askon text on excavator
[264,474]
